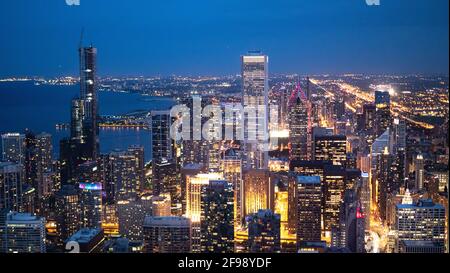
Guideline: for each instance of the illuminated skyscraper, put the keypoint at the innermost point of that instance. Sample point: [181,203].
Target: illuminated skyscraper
[3,214]
[44,152]
[194,187]
[255,89]
[333,193]
[131,212]
[333,148]
[263,232]
[24,233]
[298,129]
[11,186]
[91,204]
[369,111]
[83,144]
[309,209]
[387,180]
[167,234]
[139,154]
[424,221]
[217,217]
[350,231]
[162,144]
[258,191]
[364,197]
[167,179]
[88,94]
[232,172]
[13,147]
[383,111]
[419,172]
[125,174]
[161,205]
[68,216]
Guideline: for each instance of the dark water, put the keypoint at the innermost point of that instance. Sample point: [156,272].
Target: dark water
[39,108]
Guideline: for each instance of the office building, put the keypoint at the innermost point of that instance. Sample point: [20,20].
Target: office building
[383,119]
[217,217]
[298,129]
[258,191]
[24,233]
[309,209]
[194,187]
[423,220]
[167,234]
[232,172]
[255,93]
[263,232]
[332,148]
[419,172]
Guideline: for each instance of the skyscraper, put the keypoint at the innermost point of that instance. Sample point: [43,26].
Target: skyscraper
[217,217]
[309,209]
[423,220]
[298,129]
[125,174]
[166,179]
[255,89]
[232,172]
[131,212]
[333,148]
[162,144]
[91,204]
[350,232]
[334,184]
[167,234]
[194,187]
[68,217]
[258,191]
[11,186]
[419,172]
[83,143]
[263,232]
[383,112]
[88,94]
[25,233]
[13,147]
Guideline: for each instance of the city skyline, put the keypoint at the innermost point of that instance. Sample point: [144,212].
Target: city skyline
[397,37]
[249,163]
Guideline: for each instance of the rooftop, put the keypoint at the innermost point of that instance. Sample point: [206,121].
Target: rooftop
[85,235]
[164,221]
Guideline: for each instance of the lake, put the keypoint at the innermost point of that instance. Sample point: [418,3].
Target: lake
[39,108]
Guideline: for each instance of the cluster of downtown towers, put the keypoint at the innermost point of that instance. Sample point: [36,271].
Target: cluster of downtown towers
[217,196]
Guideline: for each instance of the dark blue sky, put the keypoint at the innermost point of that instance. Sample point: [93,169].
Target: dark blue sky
[206,37]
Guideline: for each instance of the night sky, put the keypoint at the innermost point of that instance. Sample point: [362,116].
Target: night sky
[206,37]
